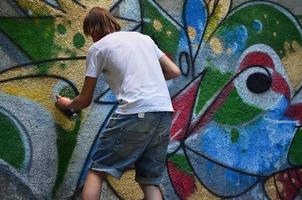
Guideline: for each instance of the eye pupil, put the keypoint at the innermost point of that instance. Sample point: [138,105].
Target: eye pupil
[258,82]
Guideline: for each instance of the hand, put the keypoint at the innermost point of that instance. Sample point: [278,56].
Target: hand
[62,102]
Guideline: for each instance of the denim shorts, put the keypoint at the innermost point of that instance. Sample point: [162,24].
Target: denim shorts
[138,140]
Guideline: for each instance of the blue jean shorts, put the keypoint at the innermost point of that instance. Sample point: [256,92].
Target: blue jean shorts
[138,140]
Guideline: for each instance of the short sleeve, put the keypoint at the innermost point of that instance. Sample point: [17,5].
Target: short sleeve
[94,62]
[158,52]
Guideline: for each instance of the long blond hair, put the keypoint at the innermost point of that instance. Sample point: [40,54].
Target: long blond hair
[100,21]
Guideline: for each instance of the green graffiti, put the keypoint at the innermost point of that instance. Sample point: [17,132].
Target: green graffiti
[12,150]
[235,112]
[295,153]
[63,66]
[181,163]
[36,39]
[78,40]
[160,29]
[66,142]
[42,69]
[212,81]
[67,91]
[61,29]
[234,135]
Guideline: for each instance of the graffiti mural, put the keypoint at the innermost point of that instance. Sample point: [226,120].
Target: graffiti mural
[236,131]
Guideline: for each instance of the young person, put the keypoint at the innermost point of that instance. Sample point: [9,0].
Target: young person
[138,132]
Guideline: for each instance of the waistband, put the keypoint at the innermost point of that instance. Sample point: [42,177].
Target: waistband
[142,114]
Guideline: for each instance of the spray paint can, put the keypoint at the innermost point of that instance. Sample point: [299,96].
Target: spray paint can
[71,114]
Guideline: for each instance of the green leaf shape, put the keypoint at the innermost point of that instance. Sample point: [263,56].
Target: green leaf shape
[235,112]
[167,38]
[295,152]
[181,163]
[61,29]
[211,83]
[12,149]
[78,40]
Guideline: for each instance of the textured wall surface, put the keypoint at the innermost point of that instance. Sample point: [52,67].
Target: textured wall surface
[236,131]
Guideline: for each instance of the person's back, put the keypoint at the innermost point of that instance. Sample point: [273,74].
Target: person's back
[139,130]
[130,64]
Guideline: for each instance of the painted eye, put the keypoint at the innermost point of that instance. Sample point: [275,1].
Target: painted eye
[259,82]
[254,86]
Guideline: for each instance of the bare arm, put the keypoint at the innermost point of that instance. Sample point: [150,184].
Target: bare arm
[170,70]
[83,100]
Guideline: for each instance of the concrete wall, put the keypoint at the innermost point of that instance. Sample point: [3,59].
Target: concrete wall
[236,132]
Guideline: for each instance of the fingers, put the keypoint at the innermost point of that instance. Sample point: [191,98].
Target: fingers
[57,103]
[62,102]
[58,97]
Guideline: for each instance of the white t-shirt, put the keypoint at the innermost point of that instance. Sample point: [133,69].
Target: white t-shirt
[130,64]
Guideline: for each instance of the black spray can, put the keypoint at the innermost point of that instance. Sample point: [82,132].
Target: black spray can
[71,114]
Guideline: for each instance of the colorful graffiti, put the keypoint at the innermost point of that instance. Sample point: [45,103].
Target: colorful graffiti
[236,131]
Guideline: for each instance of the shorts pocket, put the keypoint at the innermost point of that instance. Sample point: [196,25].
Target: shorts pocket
[130,143]
[110,123]
[117,119]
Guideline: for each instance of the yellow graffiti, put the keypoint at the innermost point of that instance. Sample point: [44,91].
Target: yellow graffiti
[270,188]
[40,91]
[292,63]
[127,188]
[274,34]
[157,25]
[280,186]
[217,15]
[210,6]
[192,32]
[216,45]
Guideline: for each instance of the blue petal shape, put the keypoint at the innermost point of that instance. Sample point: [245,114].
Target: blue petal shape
[194,18]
